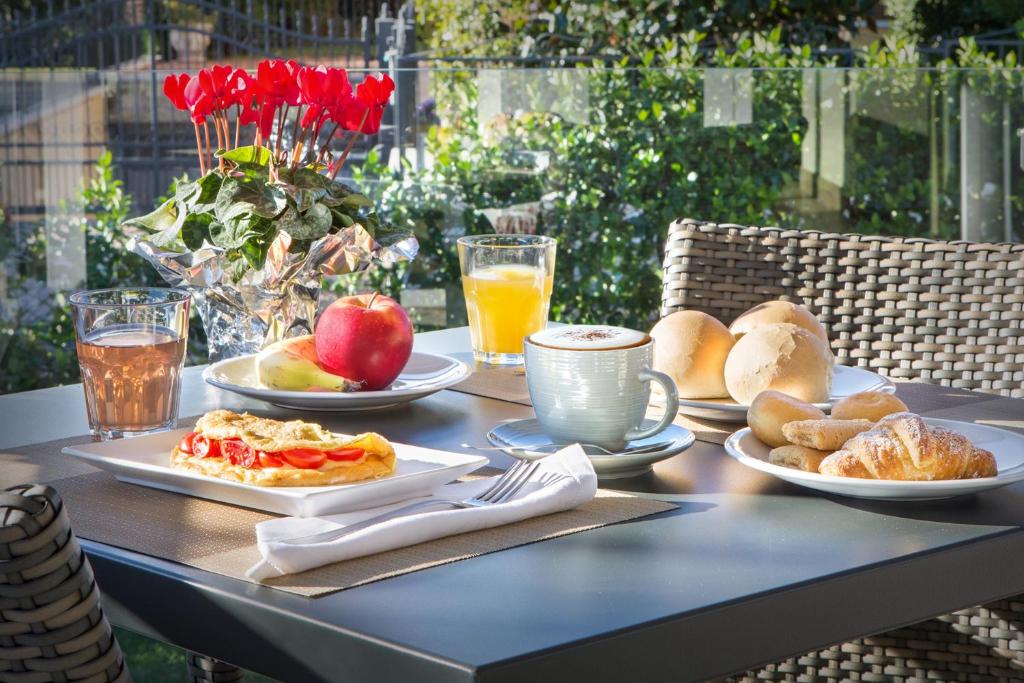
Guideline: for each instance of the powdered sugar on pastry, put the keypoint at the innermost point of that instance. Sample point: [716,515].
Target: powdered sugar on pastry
[903,447]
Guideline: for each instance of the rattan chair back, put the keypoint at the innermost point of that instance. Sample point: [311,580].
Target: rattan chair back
[52,627]
[949,313]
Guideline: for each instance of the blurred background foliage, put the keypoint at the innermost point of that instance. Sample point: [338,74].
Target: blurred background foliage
[609,185]
[631,27]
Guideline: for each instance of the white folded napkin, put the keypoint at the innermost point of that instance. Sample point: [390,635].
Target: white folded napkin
[578,485]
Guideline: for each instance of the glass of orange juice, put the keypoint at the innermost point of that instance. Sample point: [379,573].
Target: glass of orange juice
[507,283]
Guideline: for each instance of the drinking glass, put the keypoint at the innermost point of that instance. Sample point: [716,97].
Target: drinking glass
[507,283]
[131,346]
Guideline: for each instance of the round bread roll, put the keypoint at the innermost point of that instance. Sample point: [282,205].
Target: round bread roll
[772,312]
[771,409]
[782,357]
[691,348]
[868,405]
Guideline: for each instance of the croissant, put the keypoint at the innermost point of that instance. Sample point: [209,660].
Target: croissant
[903,447]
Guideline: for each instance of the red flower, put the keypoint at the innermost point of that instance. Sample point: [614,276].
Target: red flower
[219,83]
[367,108]
[248,115]
[243,87]
[174,90]
[198,102]
[324,90]
[276,82]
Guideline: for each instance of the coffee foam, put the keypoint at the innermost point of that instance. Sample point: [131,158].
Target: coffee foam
[588,337]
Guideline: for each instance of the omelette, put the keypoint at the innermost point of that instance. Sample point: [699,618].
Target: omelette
[264,452]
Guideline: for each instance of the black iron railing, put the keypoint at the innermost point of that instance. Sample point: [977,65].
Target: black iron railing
[80,76]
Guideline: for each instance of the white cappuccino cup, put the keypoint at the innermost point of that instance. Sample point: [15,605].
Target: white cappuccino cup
[591,384]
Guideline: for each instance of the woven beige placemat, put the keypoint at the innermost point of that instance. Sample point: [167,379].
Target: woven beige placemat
[504,383]
[222,539]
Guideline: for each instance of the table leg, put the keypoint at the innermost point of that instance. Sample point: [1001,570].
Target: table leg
[203,669]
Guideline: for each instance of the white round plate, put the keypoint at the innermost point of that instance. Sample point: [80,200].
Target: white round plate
[845,381]
[1006,446]
[522,436]
[424,374]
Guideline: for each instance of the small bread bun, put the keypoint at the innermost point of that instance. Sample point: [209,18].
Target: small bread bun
[797,457]
[824,435]
[868,405]
[772,409]
[691,348]
[782,357]
[772,312]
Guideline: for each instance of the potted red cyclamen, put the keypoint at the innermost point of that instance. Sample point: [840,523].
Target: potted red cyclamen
[254,234]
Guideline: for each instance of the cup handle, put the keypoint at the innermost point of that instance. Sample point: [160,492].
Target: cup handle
[671,404]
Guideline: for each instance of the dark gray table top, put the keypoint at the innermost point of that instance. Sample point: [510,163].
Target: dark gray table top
[748,570]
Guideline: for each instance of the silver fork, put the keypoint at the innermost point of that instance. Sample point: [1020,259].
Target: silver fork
[504,487]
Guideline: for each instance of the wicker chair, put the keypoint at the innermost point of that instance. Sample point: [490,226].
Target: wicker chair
[949,313]
[52,627]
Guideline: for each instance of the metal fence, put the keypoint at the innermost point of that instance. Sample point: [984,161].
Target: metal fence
[134,34]
[80,76]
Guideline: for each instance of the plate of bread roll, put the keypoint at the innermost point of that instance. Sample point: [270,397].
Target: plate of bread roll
[873,447]
[777,345]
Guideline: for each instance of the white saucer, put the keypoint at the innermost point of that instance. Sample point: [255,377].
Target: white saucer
[424,374]
[845,381]
[526,435]
[1006,446]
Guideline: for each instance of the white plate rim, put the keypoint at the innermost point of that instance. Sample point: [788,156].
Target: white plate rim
[796,476]
[457,372]
[883,385]
[297,492]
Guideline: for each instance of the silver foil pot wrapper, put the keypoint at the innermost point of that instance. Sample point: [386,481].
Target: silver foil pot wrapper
[280,300]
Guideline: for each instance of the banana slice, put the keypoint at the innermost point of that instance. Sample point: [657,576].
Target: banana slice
[290,365]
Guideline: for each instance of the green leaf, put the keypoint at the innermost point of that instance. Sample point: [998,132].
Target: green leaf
[262,199]
[255,248]
[248,155]
[185,191]
[313,224]
[308,178]
[196,229]
[354,202]
[343,219]
[160,219]
[209,186]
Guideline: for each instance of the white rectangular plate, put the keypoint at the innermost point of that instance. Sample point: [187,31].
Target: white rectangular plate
[145,461]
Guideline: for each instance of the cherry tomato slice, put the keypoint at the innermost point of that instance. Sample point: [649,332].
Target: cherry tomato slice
[185,445]
[303,458]
[239,453]
[346,454]
[269,459]
[205,447]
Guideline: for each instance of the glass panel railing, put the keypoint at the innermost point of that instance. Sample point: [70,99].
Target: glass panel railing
[601,158]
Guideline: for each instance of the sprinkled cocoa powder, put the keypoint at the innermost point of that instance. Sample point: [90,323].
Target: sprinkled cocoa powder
[588,335]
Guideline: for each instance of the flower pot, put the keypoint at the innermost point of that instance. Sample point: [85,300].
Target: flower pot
[242,315]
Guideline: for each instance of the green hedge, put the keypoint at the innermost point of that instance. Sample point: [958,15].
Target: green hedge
[614,179]
[644,157]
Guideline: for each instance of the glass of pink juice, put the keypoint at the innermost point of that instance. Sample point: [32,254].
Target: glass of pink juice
[131,348]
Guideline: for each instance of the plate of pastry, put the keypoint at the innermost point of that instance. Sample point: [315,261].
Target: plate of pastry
[287,374]
[872,447]
[777,345]
[293,468]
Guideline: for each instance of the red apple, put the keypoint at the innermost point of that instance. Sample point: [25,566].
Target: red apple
[366,338]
